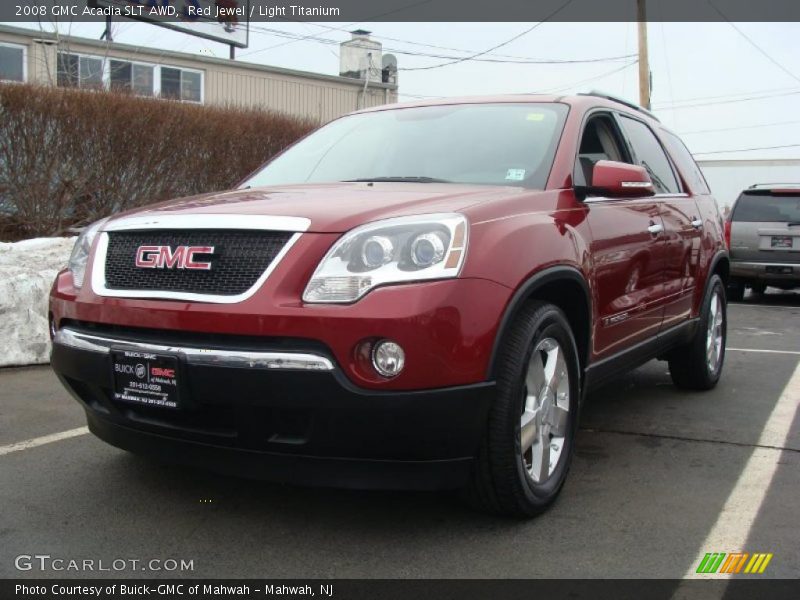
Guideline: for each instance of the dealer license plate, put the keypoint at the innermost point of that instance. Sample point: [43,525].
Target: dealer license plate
[781,241]
[145,378]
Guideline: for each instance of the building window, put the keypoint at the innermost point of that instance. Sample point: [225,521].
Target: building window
[180,84]
[124,75]
[79,71]
[12,62]
[143,80]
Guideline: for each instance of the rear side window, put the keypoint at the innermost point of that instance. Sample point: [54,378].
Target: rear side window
[767,208]
[683,158]
[650,155]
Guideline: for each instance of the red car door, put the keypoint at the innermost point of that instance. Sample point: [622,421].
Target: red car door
[679,215]
[628,247]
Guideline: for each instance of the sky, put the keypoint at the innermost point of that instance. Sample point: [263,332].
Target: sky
[721,86]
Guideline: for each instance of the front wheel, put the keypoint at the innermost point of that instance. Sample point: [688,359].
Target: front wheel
[698,364]
[527,449]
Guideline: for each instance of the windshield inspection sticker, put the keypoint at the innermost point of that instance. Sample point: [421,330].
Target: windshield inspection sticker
[535,117]
[515,174]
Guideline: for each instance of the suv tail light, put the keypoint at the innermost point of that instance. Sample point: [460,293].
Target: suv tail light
[728,234]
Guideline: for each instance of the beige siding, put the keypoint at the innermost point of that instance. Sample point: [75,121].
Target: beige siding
[42,63]
[309,95]
[320,101]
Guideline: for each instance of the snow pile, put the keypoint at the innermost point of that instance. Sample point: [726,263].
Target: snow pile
[27,270]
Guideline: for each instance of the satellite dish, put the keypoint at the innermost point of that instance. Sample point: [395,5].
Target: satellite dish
[389,68]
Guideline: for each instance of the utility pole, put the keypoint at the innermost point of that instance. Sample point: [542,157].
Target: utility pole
[644,63]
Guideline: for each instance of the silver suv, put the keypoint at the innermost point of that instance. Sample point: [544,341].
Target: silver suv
[763,234]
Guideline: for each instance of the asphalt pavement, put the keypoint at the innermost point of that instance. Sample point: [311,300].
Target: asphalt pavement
[660,477]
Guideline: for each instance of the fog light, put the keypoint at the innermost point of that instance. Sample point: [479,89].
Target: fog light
[388,358]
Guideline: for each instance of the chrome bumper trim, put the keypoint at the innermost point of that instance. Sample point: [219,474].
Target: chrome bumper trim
[279,361]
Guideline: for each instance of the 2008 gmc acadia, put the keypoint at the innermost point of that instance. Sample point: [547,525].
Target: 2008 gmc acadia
[413,296]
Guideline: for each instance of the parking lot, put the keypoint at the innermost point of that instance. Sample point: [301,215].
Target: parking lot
[660,477]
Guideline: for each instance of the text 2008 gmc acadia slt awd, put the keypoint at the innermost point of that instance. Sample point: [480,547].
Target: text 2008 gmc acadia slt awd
[413,296]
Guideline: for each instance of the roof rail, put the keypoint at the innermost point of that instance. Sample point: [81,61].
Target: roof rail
[619,100]
[768,186]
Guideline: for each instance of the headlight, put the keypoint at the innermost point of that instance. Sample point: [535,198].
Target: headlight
[391,251]
[80,252]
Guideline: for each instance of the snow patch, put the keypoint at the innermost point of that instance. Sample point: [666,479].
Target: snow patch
[27,271]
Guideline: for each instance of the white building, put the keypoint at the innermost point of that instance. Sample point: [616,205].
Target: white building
[727,178]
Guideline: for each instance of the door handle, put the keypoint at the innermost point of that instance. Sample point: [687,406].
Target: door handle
[697,223]
[655,228]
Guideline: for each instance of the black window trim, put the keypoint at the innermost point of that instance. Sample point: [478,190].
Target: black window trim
[675,166]
[682,190]
[592,113]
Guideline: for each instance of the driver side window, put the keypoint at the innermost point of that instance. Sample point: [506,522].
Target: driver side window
[600,141]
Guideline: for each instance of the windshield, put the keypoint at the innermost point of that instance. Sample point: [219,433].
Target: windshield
[492,144]
[761,207]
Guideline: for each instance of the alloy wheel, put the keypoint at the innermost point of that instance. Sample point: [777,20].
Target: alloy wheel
[545,414]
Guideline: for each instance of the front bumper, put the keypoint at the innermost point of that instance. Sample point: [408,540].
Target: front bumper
[778,272]
[279,411]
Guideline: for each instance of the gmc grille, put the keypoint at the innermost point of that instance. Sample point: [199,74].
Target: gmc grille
[239,259]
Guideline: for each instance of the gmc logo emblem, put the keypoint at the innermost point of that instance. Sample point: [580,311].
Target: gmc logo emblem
[164,257]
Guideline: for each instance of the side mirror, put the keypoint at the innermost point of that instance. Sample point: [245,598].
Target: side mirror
[620,180]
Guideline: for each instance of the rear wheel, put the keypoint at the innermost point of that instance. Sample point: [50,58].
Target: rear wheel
[527,448]
[698,364]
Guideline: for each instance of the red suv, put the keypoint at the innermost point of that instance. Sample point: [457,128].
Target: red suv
[413,296]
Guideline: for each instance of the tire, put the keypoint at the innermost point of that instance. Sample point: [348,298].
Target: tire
[692,366]
[507,480]
[735,291]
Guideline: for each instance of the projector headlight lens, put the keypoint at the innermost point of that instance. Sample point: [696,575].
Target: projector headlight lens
[377,251]
[427,249]
[388,252]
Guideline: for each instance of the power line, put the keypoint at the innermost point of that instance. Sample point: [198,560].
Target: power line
[452,49]
[752,43]
[531,61]
[520,60]
[724,96]
[749,149]
[737,128]
[371,18]
[752,98]
[549,90]
[590,79]
[488,50]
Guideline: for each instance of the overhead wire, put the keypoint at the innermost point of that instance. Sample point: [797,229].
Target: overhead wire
[749,149]
[493,48]
[739,127]
[588,80]
[734,101]
[753,43]
[452,59]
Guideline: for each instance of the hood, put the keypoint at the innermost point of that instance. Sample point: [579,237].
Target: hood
[335,207]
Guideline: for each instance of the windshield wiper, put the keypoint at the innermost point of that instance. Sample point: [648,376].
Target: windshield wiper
[411,179]
[793,223]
